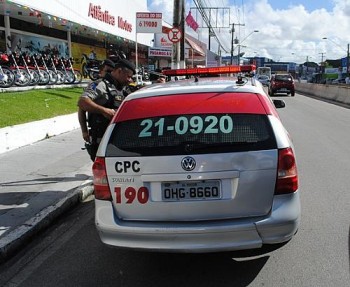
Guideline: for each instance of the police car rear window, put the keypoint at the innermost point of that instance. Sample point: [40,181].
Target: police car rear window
[191,134]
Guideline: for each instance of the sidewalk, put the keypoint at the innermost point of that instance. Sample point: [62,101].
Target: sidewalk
[39,182]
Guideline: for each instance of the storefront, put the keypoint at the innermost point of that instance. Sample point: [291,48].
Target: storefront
[73,28]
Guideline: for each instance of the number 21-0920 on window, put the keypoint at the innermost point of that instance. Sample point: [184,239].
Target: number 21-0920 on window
[194,124]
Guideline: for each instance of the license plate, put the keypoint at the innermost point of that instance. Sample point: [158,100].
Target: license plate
[194,190]
[283,90]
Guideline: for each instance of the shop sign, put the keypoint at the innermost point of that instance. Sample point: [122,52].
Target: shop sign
[159,52]
[148,22]
[123,24]
[103,16]
[96,12]
[164,42]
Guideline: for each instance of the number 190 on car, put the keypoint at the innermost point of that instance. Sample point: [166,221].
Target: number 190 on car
[187,191]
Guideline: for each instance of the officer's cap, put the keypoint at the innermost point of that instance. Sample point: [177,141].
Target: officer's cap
[123,63]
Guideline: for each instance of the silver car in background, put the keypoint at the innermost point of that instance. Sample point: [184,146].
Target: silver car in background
[264,80]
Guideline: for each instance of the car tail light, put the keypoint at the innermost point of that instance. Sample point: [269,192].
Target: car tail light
[101,186]
[287,175]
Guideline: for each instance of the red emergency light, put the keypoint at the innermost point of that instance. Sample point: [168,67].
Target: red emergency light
[210,70]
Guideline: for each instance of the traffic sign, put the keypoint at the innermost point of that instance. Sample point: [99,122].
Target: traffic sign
[175,35]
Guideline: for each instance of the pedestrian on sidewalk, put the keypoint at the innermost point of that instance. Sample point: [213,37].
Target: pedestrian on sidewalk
[102,98]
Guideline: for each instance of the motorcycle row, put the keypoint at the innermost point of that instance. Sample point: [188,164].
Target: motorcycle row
[24,69]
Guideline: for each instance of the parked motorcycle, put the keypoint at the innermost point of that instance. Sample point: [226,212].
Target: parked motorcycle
[116,55]
[77,74]
[90,68]
[44,77]
[53,76]
[60,66]
[61,77]
[7,77]
[34,75]
[22,77]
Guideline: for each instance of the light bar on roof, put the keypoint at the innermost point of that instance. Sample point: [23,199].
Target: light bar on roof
[210,70]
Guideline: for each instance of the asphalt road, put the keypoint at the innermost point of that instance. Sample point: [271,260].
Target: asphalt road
[70,253]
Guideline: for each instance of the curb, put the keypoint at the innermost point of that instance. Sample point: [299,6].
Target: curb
[14,88]
[14,137]
[14,240]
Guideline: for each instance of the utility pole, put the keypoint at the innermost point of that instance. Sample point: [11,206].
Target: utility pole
[322,64]
[239,55]
[175,59]
[182,41]
[212,18]
[232,32]
[322,56]
[347,61]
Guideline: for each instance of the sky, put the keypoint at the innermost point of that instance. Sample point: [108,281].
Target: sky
[289,30]
[309,5]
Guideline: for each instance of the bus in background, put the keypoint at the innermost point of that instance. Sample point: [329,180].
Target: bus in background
[263,71]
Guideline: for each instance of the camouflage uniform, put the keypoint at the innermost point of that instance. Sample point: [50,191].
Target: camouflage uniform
[104,92]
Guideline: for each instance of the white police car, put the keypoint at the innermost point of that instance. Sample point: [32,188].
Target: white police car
[199,165]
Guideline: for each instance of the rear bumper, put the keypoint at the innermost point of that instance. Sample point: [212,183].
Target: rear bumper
[283,90]
[226,235]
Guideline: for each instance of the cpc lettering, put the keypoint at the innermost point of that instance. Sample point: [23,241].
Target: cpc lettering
[125,166]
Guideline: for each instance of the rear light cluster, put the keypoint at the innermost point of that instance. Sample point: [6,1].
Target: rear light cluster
[101,186]
[287,175]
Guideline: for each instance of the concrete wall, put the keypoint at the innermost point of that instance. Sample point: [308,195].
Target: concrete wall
[337,93]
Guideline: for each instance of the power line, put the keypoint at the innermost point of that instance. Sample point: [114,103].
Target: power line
[212,33]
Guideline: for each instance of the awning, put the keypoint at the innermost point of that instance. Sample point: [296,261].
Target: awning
[198,49]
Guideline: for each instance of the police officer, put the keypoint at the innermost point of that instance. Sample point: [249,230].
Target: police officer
[106,66]
[102,98]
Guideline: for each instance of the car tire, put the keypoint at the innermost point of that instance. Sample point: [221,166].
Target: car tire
[292,94]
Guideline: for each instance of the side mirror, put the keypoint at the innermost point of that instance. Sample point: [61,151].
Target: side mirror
[279,104]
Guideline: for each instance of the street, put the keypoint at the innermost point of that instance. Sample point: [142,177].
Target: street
[71,254]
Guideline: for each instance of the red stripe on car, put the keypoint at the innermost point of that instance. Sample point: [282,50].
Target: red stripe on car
[242,103]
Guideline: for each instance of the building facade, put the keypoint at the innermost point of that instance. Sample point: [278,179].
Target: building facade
[73,28]
[95,28]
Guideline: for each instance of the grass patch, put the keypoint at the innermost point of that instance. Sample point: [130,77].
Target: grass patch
[27,106]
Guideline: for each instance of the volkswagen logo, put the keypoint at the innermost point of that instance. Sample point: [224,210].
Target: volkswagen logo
[188,163]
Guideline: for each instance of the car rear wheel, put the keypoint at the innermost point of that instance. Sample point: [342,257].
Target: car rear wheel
[292,94]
